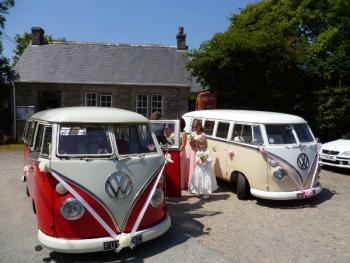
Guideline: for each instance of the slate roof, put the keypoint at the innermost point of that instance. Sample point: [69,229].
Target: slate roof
[92,63]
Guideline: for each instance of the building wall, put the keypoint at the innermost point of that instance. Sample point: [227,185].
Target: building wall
[175,102]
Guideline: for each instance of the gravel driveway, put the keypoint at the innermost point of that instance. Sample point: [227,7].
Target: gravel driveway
[221,229]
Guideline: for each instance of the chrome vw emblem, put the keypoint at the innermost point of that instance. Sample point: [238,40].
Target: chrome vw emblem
[118,185]
[303,161]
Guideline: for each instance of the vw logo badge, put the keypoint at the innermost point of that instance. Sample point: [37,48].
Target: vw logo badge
[118,185]
[303,161]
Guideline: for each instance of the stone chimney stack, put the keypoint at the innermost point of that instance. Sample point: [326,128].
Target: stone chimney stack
[181,39]
[37,36]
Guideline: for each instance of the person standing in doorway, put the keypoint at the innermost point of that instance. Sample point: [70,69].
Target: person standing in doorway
[183,157]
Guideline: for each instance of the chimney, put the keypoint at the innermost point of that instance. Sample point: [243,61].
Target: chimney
[181,39]
[37,36]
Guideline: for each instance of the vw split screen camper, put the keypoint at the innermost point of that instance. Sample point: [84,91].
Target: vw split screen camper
[94,176]
[270,155]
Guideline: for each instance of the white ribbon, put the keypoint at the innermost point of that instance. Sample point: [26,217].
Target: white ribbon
[125,239]
[85,204]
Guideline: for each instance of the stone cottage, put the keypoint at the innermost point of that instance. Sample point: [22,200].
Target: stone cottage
[141,78]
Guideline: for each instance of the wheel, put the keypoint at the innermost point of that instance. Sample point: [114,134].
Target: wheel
[242,187]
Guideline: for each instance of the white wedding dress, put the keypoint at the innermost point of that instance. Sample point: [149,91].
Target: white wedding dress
[203,179]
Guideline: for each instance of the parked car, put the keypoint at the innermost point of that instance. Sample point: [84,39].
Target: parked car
[336,153]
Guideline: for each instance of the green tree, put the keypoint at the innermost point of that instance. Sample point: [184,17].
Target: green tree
[22,41]
[280,55]
[5,94]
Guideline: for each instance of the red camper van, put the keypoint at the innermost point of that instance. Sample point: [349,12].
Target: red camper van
[95,178]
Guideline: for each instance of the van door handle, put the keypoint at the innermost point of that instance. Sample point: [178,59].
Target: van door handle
[31,169]
[214,148]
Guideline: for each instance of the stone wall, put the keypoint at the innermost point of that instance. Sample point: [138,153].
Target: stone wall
[175,98]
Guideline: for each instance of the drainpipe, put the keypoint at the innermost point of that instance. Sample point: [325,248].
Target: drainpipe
[14,110]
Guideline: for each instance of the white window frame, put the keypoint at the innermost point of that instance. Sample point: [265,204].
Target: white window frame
[105,95]
[98,99]
[142,107]
[160,109]
[89,99]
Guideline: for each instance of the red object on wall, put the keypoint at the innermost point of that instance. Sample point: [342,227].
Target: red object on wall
[206,101]
[173,175]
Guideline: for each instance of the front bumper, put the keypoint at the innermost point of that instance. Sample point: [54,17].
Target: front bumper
[96,244]
[285,195]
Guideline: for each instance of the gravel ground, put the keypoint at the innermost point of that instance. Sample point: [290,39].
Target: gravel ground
[256,230]
[221,229]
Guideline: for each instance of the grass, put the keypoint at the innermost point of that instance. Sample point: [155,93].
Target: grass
[11,147]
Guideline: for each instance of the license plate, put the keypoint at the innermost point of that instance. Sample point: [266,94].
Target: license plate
[110,245]
[137,240]
[327,157]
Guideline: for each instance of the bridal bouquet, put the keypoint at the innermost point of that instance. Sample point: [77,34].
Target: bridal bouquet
[189,137]
[203,157]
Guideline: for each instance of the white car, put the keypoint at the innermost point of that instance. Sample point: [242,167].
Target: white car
[336,153]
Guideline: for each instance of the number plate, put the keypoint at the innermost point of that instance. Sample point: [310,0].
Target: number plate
[137,240]
[111,245]
[327,157]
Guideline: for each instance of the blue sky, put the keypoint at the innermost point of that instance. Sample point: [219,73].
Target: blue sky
[122,21]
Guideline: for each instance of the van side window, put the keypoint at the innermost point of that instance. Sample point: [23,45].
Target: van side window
[237,133]
[257,137]
[30,133]
[46,152]
[209,127]
[39,138]
[25,131]
[242,133]
[222,130]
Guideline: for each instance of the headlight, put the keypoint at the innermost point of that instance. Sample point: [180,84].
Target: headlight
[72,209]
[347,153]
[279,175]
[157,198]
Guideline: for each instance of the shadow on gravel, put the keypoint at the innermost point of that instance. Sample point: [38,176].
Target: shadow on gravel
[184,226]
[322,197]
[337,170]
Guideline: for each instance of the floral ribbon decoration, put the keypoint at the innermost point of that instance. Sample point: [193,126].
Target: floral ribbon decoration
[291,173]
[124,239]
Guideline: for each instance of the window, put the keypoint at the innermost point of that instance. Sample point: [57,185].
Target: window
[84,139]
[39,138]
[25,131]
[242,133]
[98,99]
[142,104]
[106,100]
[280,134]
[257,137]
[30,133]
[91,99]
[208,127]
[133,139]
[157,103]
[303,132]
[46,151]
[222,130]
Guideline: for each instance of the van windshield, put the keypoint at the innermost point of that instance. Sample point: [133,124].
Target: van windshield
[303,132]
[133,139]
[84,139]
[280,134]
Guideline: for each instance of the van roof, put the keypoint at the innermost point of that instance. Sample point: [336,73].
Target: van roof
[89,115]
[247,116]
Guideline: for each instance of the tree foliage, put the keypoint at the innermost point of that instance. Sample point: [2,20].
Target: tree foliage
[289,55]
[5,94]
